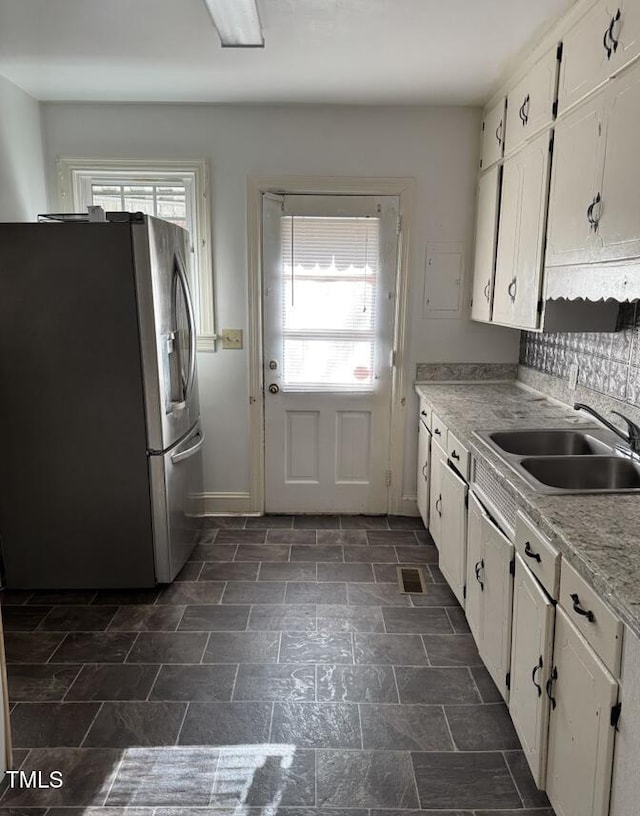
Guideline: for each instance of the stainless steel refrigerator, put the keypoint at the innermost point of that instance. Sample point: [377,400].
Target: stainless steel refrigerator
[101,462]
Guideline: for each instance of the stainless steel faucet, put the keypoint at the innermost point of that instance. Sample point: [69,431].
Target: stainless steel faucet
[632,438]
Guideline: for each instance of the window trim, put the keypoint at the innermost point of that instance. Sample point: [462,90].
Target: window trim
[76,173]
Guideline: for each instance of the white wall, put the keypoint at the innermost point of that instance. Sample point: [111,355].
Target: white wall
[436,146]
[22,187]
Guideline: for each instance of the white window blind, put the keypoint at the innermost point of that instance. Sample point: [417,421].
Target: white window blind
[330,273]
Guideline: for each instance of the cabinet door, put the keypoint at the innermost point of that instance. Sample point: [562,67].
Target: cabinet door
[438,462]
[575,182]
[531,649]
[475,566]
[585,55]
[453,546]
[486,239]
[492,135]
[618,213]
[495,645]
[624,33]
[521,235]
[424,442]
[580,732]
[530,103]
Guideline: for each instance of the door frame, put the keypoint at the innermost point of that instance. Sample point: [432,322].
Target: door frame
[404,189]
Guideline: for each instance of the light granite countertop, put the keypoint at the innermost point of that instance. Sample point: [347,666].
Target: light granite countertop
[598,534]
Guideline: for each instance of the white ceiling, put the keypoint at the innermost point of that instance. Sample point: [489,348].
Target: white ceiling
[317,51]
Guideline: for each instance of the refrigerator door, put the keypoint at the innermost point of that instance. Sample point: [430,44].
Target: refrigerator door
[167,331]
[176,488]
[75,507]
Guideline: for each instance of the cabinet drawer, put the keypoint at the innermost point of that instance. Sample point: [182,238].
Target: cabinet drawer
[425,413]
[538,554]
[439,430]
[458,455]
[592,617]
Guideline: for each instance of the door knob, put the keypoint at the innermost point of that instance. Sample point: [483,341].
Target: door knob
[274,389]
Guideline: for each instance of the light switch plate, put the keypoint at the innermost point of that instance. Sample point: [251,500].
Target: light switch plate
[573,376]
[231,338]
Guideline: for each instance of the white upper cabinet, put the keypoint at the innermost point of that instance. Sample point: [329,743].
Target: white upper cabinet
[618,215]
[530,103]
[594,207]
[521,236]
[584,56]
[486,238]
[600,44]
[493,133]
[575,182]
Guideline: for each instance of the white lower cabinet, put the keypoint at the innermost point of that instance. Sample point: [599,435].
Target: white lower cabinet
[424,449]
[490,593]
[624,791]
[531,651]
[438,462]
[475,565]
[453,534]
[583,694]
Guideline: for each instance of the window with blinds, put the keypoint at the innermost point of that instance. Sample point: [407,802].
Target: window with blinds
[330,271]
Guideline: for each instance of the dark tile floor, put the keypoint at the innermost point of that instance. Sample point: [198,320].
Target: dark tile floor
[282,671]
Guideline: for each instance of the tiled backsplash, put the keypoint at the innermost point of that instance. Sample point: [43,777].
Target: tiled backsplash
[608,362]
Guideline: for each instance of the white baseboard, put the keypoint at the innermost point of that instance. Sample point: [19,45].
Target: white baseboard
[227,504]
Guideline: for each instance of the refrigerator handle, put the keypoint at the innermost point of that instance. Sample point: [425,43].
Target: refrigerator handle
[180,456]
[192,328]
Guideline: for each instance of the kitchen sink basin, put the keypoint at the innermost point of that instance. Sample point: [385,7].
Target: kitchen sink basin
[575,473]
[559,442]
[567,460]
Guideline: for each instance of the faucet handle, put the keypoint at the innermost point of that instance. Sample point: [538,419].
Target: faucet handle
[634,431]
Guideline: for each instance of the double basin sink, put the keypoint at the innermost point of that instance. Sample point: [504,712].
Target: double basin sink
[567,460]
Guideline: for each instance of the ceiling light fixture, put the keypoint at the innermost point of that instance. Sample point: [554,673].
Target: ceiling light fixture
[238,23]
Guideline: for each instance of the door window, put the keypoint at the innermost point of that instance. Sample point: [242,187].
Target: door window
[330,270]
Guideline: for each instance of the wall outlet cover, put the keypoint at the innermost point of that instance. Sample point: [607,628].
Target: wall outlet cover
[573,376]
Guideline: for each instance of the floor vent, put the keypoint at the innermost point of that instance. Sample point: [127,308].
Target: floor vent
[411,580]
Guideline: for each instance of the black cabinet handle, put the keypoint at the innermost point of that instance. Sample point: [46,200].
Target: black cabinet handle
[536,669]
[605,40]
[587,613]
[478,567]
[423,413]
[486,289]
[499,133]
[439,502]
[512,294]
[525,109]
[614,42]
[590,216]
[454,455]
[437,431]
[521,114]
[549,686]
[595,219]
[530,553]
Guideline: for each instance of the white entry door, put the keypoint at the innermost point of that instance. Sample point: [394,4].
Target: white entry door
[329,267]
